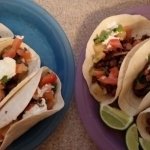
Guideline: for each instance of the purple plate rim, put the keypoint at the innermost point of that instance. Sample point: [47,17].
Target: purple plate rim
[81,95]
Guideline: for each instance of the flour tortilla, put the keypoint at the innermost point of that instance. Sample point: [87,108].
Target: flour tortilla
[5,31]
[141,123]
[33,65]
[139,25]
[17,128]
[128,101]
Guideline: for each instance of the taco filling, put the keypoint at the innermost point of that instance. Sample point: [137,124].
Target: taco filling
[13,66]
[141,85]
[44,96]
[42,100]
[110,47]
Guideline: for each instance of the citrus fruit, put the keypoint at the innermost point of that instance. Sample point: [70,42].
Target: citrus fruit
[132,138]
[114,117]
[144,144]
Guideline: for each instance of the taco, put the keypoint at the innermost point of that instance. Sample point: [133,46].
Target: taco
[18,63]
[135,92]
[40,98]
[143,124]
[5,32]
[108,53]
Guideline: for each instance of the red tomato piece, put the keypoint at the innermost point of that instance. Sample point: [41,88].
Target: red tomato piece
[108,80]
[49,78]
[98,73]
[114,72]
[115,43]
[112,79]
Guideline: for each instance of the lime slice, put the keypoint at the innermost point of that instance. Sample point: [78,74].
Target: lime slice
[132,138]
[145,144]
[115,118]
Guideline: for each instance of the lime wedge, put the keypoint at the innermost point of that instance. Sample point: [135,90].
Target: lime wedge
[145,144]
[132,138]
[115,118]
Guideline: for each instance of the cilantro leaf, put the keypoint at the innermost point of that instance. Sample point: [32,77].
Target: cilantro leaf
[5,79]
[106,33]
[102,37]
[119,28]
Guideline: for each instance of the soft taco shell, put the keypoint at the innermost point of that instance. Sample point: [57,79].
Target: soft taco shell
[128,101]
[10,111]
[33,65]
[17,128]
[139,26]
[5,32]
[142,123]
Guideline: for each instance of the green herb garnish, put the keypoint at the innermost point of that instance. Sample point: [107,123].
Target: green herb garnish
[118,29]
[106,33]
[102,37]
[4,80]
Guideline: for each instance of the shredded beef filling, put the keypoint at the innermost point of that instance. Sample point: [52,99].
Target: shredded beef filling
[105,64]
[114,58]
[141,85]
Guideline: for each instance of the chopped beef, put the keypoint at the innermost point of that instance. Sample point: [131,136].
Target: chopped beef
[141,85]
[144,37]
[114,58]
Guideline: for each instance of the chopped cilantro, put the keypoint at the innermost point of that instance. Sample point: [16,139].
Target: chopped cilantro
[102,37]
[105,34]
[4,80]
[118,29]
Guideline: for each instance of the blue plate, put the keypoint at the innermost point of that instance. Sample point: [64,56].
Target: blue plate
[46,37]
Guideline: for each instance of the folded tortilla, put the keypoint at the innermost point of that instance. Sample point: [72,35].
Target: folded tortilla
[5,31]
[14,127]
[33,66]
[139,26]
[128,101]
[143,124]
